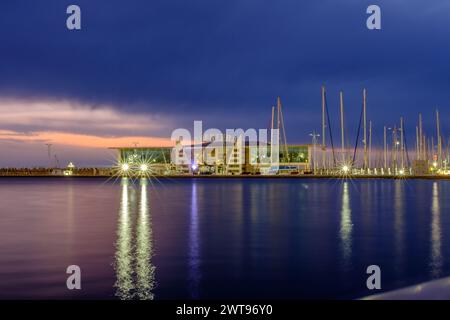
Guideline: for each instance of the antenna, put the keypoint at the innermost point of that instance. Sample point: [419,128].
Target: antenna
[49,150]
[57,161]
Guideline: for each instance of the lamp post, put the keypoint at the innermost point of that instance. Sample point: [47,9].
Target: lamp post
[314,136]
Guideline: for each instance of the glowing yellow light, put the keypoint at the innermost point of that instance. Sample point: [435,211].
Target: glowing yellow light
[402,172]
[345,169]
[144,167]
[435,164]
[125,166]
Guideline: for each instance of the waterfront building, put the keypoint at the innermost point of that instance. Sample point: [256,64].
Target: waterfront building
[211,158]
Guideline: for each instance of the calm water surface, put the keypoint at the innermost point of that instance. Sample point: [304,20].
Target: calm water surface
[219,238]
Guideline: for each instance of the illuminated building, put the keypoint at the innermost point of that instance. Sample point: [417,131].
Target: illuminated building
[212,158]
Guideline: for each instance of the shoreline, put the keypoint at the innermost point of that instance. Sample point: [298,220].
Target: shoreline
[294,176]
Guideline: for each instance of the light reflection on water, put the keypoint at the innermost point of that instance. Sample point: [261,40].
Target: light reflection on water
[399,224]
[145,271]
[134,271]
[124,254]
[436,254]
[346,226]
[194,246]
[220,238]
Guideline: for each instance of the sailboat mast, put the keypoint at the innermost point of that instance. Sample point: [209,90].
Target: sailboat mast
[395,156]
[385,148]
[421,139]
[365,130]
[342,126]
[432,148]
[439,142]
[273,114]
[323,129]
[278,121]
[402,153]
[370,145]
[417,144]
[280,113]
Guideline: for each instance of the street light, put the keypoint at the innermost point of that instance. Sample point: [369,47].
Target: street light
[314,136]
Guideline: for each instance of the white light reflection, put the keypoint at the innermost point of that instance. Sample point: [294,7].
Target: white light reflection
[436,253]
[134,271]
[194,246]
[346,226]
[124,260]
[145,271]
[399,209]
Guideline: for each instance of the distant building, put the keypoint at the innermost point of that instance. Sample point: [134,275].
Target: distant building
[134,159]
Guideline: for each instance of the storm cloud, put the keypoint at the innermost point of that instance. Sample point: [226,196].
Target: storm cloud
[226,61]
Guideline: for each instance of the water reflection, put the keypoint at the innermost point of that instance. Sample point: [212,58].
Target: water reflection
[346,226]
[399,224]
[124,282]
[145,271]
[194,246]
[436,253]
[135,274]
[208,234]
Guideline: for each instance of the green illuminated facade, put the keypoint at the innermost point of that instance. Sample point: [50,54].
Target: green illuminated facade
[295,154]
[144,155]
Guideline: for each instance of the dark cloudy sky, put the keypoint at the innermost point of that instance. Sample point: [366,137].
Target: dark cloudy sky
[139,69]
